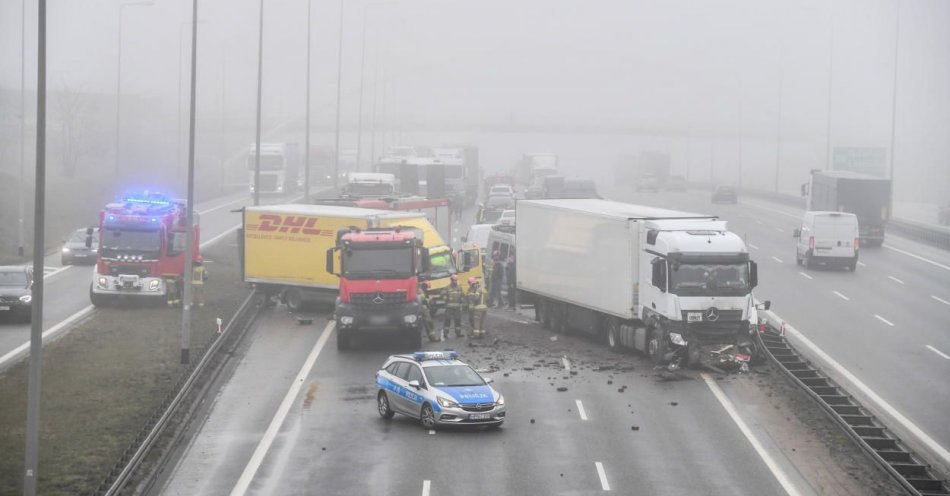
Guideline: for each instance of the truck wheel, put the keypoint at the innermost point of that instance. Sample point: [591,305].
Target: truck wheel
[658,345]
[96,300]
[613,333]
[343,341]
[853,264]
[809,263]
[545,314]
[294,300]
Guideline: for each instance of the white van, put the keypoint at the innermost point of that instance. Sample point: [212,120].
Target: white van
[829,238]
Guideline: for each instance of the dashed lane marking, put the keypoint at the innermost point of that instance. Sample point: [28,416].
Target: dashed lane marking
[918,257]
[806,276]
[862,264]
[882,319]
[779,260]
[898,281]
[843,297]
[941,300]
[426,486]
[726,403]
[250,470]
[580,410]
[753,246]
[935,350]
[603,476]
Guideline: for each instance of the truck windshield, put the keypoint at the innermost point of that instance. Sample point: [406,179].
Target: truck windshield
[377,263]
[709,279]
[268,162]
[370,189]
[129,240]
[440,265]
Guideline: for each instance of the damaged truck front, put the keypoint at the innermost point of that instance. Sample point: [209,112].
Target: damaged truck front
[675,285]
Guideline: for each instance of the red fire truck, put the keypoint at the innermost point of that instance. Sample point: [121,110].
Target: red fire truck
[141,248]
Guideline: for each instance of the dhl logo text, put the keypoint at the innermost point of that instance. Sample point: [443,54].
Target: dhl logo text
[291,224]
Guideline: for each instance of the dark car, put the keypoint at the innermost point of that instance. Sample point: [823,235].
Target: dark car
[725,194]
[82,246]
[16,291]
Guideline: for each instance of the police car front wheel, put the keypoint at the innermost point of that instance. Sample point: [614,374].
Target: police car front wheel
[382,402]
[427,417]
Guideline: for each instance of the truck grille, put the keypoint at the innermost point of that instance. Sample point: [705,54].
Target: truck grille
[136,270]
[268,182]
[715,332]
[378,300]
[478,407]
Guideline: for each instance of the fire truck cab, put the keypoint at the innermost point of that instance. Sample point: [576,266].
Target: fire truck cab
[142,242]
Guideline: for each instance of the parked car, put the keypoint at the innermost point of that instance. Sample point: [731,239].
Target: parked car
[725,194]
[16,291]
[507,218]
[82,246]
[828,238]
[501,189]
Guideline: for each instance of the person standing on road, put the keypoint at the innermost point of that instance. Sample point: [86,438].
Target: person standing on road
[497,278]
[453,308]
[512,278]
[198,277]
[477,307]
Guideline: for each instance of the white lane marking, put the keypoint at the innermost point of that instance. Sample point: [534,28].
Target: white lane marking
[898,281]
[941,300]
[781,212]
[773,467]
[759,222]
[779,260]
[843,297]
[271,433]
[566,363]
[56,270]
[779,229]
[580,410]
[603,476]
[431,432]
[871,396]
[218,237]
[219,207]
[918,257]
[862,264]
[25,347]
[882,319]
[425,487]
[753,246]
[935,350]
[806,276]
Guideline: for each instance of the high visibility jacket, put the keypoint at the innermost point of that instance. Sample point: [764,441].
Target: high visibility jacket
[198,275]
[477,298]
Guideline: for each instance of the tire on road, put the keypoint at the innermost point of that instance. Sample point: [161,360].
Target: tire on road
[293,298]
[383,407]
[427,416]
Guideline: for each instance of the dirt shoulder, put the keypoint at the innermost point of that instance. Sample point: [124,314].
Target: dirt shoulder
[103,380]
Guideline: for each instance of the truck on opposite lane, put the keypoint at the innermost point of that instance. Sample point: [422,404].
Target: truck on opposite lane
[675,285]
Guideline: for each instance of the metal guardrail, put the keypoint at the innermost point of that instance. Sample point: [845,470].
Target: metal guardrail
[137,451]
[902,464]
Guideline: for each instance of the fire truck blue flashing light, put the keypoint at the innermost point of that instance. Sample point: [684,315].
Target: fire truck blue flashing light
[149,199]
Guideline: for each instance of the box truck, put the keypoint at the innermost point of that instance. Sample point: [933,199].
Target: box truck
[867,197]
[675,285]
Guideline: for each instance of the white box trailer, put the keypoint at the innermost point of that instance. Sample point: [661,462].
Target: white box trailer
[638,276]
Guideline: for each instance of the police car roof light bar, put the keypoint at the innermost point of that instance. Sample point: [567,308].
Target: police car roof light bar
[435,355]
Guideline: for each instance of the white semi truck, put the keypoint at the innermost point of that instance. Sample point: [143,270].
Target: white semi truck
[675,285]
[280,168]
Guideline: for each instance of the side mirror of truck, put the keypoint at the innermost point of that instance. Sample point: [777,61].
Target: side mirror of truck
[797,233]
[753,274]
[331,254]
[765,305]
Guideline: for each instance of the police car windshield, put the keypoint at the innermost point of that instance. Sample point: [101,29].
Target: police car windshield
[453,376]
[709,279]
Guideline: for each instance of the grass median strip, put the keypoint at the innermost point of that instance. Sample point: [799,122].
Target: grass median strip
[102,381]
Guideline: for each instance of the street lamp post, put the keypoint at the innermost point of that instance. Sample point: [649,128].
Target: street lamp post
[306,140]
[118,78]
[339,73]
[20,200]
[831,70]
[359,117]
[190,205]
[178,115]
[257,134]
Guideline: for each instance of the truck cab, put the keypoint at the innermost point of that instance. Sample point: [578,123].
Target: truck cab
[369,185]
[279,168]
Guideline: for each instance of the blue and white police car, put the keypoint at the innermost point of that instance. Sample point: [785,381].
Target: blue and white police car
[438,389]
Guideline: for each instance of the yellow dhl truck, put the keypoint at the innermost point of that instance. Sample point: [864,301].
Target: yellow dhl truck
[282,249]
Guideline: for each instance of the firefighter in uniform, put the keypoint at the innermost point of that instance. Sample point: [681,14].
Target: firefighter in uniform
[453,308]
[174,284]
[477,307]
[198,277]
[427,315]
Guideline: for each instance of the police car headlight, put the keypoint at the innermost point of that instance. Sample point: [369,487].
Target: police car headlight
[500,401]
[447,403]
[346,320]
[153,285]
[26,298]
[410,319]
[677,339]
[103,282]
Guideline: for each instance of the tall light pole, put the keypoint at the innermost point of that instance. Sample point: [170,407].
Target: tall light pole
[897,45]
[306,140]
[118,78]
[339,73]
[778,124]
[178,115]
[359,125]
[372,134]
[32,452]
[831,70]
[20,200]
[257,134]
[190,206]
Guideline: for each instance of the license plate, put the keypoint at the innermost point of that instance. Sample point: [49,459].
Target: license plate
[479,416]
[378,320]
[4,307]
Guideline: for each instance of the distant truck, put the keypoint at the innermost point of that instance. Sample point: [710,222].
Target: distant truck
[646,171]
[867,197]
[141,252]
[462,173]
[555,187]
[534,167]
[360,185]
[280,168]
[675,285]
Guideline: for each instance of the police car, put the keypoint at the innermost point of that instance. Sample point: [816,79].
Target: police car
[438,389]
